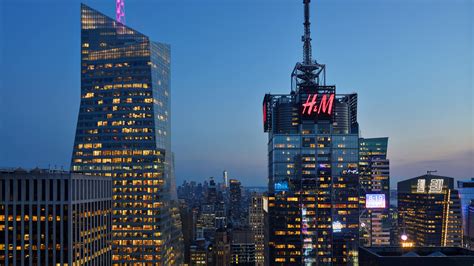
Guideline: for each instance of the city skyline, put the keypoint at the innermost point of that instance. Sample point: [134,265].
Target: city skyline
[231,107]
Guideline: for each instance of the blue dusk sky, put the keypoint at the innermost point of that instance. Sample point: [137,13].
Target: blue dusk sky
[410,61]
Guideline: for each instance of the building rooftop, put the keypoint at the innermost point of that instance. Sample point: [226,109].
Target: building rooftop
[419,251]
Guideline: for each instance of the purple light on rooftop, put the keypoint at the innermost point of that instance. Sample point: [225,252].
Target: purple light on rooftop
[120,11]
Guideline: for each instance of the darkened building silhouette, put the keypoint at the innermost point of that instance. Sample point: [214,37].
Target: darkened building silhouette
[235,202]
[432,256]
[50,217]
[242,248]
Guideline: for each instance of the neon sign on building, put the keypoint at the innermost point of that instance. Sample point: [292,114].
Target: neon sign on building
[374,201]
[317,104]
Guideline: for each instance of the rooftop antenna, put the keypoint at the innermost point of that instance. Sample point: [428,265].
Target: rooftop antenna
[306,38]
[306,74]
[120,11]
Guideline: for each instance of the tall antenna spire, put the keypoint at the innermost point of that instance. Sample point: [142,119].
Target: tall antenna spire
[306,38]
[120,11]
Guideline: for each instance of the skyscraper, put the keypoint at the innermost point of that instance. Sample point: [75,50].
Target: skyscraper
[374,178]
[313,155]
[429,211]
[469,231]
[466,194]
[235,202]
[123,131]
[257,227]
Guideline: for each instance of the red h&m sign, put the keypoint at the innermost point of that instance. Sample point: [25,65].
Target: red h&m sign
[313,105]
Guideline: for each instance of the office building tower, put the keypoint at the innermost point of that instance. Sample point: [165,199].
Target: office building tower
[466,194]
[205,224]
[221,214]
[429,211]
[313,153]
[469,231]
[257,227]
[222,247]
[212,192]
[374,178]
[52,217]
[242,248]
[201,253]
[235,202]
[123,132]
[394,230]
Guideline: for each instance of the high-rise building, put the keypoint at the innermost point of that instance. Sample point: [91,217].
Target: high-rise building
[466,194]
[242,248]
[50,217]
[235,202]
[469,231]
[201,253]
[123,131]
[313,155]
[222,247]
[225,179]
[257,226]
[374,178]
[429,211]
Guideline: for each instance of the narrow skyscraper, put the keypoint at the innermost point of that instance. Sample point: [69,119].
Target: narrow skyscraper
[313,215]
[374,178]
[123,131]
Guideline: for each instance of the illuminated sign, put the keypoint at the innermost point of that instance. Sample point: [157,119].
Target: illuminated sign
[436,186]
[336,227]
[281,186]
[375,201]
[420,187]
[264,113]
[316,106]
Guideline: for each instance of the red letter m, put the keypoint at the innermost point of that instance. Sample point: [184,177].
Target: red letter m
[325,106]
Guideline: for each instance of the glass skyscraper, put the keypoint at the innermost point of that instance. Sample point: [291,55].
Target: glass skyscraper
[466,194]
[123,131]
[312,212]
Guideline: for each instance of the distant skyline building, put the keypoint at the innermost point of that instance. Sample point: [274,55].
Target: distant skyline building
[242,248]
[313,161]
[225,178]
[466,194]
[469,231]
[50,217]
[222,247]
[257,227]
[235,202]
[374,178]
[124,132]
[429,212]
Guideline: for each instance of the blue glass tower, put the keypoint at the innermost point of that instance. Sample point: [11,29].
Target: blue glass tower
[466,194]
[123,131]
[313,158]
